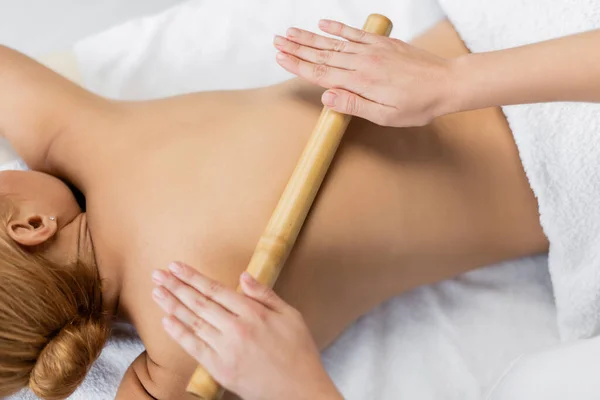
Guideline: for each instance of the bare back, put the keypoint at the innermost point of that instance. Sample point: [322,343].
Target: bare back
[195,178]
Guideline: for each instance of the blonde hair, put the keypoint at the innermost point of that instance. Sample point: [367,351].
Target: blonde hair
[52,324]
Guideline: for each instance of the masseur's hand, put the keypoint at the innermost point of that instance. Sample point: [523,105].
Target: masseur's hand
[386,81]
[254,344]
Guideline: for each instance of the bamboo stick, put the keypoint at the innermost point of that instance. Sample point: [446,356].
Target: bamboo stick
[283,228]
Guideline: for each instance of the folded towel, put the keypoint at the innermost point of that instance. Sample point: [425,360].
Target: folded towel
[559,144]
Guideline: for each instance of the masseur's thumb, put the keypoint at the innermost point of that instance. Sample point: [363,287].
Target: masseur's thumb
[259,292]
[352,104]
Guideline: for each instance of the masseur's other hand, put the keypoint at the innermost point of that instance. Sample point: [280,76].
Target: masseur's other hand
[254,344]
[384,80]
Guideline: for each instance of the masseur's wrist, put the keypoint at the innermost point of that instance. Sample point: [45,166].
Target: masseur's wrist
[482,80]
[462,93]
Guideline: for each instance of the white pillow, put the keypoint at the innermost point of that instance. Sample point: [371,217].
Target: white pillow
[206,45]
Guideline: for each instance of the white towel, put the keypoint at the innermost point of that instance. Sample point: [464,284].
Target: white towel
[103,380]
[559,145]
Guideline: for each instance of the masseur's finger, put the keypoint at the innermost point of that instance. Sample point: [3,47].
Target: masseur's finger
[172,306]
[199,304]
[352,104]
[315,56]
[347,32]
[319,74]
[191,343]
[220,294]
[316,41]
[261,293]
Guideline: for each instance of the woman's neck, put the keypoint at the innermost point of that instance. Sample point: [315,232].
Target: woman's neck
[110,275]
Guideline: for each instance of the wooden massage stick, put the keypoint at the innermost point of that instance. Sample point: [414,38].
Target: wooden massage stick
[283,228]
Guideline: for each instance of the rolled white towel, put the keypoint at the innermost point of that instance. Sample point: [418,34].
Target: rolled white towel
[559,144]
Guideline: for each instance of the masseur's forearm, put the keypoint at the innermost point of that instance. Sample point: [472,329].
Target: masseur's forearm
[565,69]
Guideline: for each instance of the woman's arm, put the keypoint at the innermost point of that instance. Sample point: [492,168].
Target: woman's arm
[564,69]
[390,82]
[135,381]
[145,380]
[36,106]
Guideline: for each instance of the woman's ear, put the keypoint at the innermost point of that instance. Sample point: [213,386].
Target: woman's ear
[33,230]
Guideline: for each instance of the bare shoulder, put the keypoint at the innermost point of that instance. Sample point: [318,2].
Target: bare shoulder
[145,380]
[169,367]
[166,368]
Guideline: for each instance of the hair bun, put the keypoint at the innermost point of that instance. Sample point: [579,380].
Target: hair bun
[67,358]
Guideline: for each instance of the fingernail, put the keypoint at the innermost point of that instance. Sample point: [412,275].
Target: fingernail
[281,57]
[158,294]
[293,32]
[329,99]
[175,268]
[159,276]
[324,23]
[278,41]
[249,279]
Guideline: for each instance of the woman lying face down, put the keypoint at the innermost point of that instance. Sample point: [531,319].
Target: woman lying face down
[195,178]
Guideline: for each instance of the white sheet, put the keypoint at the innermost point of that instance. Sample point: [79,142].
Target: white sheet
[556,373]
[448,341]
